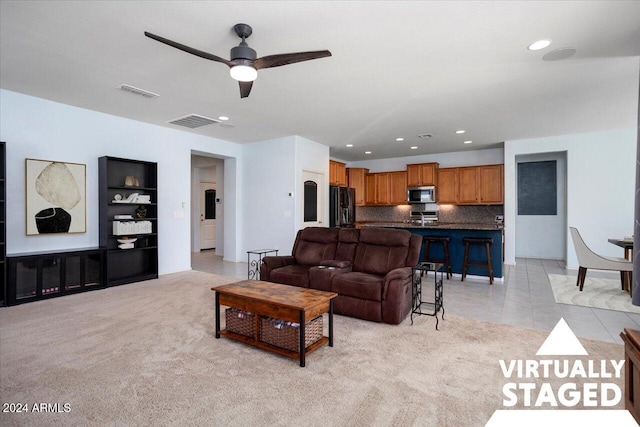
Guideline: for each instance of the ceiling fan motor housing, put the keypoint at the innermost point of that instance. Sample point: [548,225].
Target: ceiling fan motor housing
[243,52]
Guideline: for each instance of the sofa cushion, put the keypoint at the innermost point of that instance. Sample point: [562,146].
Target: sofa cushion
[347,243]
[358,285]
[296,275]
[314,244]
[381,250]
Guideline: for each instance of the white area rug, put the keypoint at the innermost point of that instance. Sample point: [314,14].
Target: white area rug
[597,293]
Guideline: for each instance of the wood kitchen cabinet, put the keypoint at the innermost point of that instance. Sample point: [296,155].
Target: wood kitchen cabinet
[468,185]
[472,185]
[491,184]
[337,173]
[356,180]
[370,189]
[386,188]
[447,190]
[398,188]
[419,174]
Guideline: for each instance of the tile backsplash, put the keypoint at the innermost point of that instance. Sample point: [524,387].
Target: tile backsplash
[446,213]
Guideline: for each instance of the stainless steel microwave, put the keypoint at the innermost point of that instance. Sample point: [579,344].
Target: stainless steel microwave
[421,194]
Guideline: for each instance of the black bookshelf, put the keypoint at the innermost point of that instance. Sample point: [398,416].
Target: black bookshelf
[119,179]
[3,224]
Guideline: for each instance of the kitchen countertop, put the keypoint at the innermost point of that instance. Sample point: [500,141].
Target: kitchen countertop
[436,225]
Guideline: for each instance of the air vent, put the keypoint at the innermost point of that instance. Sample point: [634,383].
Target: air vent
[193,121]
[138,91]
[425,136]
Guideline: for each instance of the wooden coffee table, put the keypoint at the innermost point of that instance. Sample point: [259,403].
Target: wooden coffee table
[283,302]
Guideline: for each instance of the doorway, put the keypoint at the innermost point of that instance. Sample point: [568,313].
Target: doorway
[207,215]
[313,210]
[541,213]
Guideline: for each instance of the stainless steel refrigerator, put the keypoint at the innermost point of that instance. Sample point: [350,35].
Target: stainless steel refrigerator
[342,208]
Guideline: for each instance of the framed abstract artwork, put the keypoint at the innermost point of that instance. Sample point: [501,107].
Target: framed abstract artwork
[55,197]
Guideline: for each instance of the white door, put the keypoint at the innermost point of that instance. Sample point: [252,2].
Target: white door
[312,199]
[207,215]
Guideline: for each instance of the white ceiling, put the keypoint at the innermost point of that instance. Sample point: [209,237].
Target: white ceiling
[399,69]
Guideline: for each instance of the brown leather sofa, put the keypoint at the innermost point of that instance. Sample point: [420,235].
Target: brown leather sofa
[370,269]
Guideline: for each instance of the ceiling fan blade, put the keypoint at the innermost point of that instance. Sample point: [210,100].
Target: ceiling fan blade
[245,88]
[196,52]
[288,58]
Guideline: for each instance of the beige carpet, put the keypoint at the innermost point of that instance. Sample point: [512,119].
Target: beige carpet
[144,354]
[597,293]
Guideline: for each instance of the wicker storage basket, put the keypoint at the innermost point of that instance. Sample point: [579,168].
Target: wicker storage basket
[286,335]
[240,322]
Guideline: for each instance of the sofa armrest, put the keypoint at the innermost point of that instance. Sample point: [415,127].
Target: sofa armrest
[335,263]
[270,263]
[397,277]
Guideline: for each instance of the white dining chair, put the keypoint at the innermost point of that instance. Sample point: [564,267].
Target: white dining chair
[589,259]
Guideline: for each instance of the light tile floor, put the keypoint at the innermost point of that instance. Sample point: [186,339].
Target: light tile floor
[524,298]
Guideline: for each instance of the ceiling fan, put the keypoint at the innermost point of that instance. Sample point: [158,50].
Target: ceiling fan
[243,63]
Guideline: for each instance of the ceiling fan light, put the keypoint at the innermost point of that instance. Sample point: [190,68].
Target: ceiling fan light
[243,73]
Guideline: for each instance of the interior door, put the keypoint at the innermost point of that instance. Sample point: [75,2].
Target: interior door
[541,215]
[207,215]
[313,211]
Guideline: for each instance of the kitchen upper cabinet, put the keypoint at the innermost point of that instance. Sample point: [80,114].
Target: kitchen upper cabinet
[468,185]
[337,173]
[398,188]
[386,188]
[422,174]
[473,185]
[370,189]
[491,184]
[356,179]
[447,190]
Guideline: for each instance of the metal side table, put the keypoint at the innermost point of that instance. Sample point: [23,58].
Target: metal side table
[253,268]
[427,308]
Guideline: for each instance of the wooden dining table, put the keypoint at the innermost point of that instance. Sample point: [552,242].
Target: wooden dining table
[626,244]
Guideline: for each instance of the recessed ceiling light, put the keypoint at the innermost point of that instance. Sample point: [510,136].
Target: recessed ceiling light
[367,152]
[460,131]
[349,145]
[223,118]
[540,44]
[414,148]
[468,142]
[399,139]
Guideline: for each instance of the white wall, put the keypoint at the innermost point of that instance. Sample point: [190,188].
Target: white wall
[445,160]
[269,175]
[41,129]
[600,187]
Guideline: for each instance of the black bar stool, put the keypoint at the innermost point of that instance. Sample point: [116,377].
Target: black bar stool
[487,242]
[426,257]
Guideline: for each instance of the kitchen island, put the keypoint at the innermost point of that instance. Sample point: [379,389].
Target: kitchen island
[456,231]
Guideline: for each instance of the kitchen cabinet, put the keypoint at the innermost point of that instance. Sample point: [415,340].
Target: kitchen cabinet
[468,185]
[419,174]
[398,188]
[337,173]
[491,184]
[370,189]
[356,180]
[471,185]
[386,188]
[447,190]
